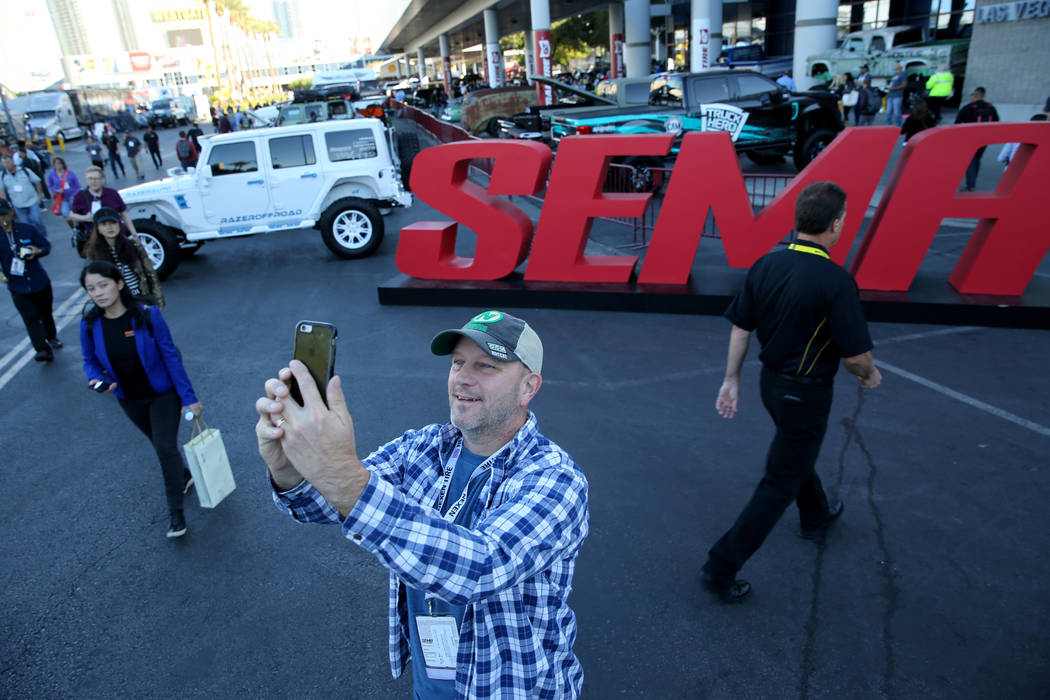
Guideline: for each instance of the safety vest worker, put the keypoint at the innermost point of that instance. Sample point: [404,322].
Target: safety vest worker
[940,84]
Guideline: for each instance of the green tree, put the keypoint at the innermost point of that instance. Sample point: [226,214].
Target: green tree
[577,36]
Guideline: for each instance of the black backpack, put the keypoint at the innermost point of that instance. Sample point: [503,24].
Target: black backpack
[874,101]
[183,150]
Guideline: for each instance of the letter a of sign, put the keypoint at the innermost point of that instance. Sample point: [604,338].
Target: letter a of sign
[707,177]
[1012,236]
[439,177]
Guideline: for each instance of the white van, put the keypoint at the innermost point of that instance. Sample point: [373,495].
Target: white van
[50,114]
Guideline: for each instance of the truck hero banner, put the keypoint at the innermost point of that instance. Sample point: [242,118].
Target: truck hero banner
[1007,246]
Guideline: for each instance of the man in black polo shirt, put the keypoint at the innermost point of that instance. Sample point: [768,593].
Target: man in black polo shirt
[807,313]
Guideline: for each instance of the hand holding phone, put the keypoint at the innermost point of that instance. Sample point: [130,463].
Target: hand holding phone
[315,347]
[99,385]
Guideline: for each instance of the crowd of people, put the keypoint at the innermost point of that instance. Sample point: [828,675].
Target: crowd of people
[127,347]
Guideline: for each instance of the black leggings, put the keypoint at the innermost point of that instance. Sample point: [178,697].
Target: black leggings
[158,418]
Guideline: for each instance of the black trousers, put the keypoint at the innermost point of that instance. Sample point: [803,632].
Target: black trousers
[35,310]
[800,412]
[935,104]
[114,161]
[157,160]
[158,418]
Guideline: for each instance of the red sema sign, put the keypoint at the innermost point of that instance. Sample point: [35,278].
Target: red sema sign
[1007,246]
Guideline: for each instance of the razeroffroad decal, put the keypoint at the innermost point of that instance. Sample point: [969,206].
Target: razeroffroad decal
[259,217]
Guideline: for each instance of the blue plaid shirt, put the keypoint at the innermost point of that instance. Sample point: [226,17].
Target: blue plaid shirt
[512,568]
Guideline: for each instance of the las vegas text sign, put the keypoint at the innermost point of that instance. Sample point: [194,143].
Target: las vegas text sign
[1008,243]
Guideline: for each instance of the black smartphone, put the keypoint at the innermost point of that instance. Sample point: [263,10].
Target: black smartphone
[315,347]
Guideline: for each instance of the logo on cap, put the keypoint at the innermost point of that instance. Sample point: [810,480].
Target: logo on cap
[487,317]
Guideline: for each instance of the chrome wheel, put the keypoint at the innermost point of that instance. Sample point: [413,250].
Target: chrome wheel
[352,229]
[154,249]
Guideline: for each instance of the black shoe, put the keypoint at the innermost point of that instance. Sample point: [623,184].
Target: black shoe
[816,532]
[55,343]
[187,482]
[178,524]
[730,591]
[44,355]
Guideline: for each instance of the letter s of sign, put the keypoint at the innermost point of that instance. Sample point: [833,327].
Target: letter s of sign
[426,249]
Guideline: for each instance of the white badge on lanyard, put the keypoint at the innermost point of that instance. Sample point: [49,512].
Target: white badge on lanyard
[439,634]
[17,188]
[18,267]
[96,204]
[439,639]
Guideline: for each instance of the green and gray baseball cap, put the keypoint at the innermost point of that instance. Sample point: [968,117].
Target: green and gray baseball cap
[500,335]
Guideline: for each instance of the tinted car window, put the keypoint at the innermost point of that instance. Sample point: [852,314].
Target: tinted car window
[352,144]
[708,90]
[878,43]
[233,158]
[292,151]
[752,87]
[637,93]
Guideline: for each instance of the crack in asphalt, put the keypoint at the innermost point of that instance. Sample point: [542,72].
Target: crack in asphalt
[891,591]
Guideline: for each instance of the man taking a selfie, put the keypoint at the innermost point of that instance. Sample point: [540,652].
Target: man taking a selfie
[479,520]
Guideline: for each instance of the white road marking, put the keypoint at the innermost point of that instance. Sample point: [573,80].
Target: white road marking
[925,334]
[969,400]
[61,322]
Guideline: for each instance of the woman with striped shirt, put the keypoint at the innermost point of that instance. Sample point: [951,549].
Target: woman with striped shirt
[110,243]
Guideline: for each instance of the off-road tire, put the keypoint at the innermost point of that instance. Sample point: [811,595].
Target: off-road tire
[352,228]
[808,148]
[161,246]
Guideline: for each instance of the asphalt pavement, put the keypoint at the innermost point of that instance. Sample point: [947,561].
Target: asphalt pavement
[933,584]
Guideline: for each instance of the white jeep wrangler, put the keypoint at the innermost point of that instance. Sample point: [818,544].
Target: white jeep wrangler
[335,176]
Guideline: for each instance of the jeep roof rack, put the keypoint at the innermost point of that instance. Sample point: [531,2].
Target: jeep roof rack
[344,91]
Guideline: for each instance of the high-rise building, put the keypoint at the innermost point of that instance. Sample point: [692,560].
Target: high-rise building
[125,25]
[286,14]
[65,15]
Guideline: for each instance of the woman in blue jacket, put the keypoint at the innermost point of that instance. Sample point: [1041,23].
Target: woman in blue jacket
[128,348]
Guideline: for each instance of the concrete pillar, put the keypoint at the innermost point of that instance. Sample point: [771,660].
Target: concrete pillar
[814,32]
[530,55]
[492,50]
[636,52]
[616,65]
[705,35]
[446,63]
[422,67]
[541,35]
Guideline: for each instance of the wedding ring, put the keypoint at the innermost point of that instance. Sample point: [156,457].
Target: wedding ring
[281,421]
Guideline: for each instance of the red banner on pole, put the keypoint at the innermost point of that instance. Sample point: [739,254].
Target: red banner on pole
[544,59]
[617,68]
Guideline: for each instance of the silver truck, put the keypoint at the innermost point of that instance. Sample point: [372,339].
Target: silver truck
[881,48]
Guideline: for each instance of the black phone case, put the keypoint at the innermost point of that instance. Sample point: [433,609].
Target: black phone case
[320,373]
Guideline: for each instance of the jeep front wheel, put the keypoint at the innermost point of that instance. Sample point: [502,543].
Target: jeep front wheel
[807,149]
[160,245]
[352,228]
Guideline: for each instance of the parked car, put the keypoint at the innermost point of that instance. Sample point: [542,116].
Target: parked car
[173,111]
[335,176]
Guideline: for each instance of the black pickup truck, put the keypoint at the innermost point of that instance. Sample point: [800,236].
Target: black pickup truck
[765,121]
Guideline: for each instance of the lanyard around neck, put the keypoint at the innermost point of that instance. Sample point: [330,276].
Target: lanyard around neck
[446,480]
[812,250]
